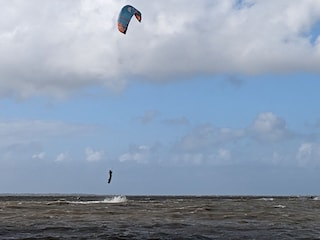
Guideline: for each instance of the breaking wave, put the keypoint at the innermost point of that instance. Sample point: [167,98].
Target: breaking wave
[266,199]
[114,199]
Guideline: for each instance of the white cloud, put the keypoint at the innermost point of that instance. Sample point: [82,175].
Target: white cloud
[220,156]
[92,155]
[58,47]
[40,155]
[200,138]
[211,145]
[308,154]
[224,154]
[268,127]
[206,136]
[189,158]
[20,138]
[62,157]
[138,154]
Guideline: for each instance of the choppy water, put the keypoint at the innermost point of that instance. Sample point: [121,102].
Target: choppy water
[155,217]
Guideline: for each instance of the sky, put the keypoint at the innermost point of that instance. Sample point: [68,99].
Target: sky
[206,97]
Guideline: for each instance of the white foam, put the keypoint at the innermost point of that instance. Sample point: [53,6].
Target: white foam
[114,199]
[279,206]
[267,199]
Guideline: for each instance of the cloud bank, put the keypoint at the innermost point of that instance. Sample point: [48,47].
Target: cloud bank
[58,47]
[267,140]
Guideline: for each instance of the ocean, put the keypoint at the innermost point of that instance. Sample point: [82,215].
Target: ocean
[158,217]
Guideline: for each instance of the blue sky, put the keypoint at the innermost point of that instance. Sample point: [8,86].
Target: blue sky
[220,101]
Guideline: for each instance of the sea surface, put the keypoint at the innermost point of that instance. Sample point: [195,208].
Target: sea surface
[158,217]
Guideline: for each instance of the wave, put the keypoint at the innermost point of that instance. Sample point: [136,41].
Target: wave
[114,199]
[266,199]
[279,206]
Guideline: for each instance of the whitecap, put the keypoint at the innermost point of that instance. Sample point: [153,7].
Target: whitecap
[279,206]
[266,199]
[114,199]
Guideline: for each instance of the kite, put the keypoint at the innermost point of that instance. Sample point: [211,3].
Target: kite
[125,16]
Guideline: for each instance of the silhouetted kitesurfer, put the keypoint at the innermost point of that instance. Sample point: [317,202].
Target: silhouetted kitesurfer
[110,176]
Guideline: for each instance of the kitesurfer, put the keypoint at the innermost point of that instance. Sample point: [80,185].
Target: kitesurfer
[110,176]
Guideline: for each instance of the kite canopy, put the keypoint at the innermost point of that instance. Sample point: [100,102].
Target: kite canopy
[125,16]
